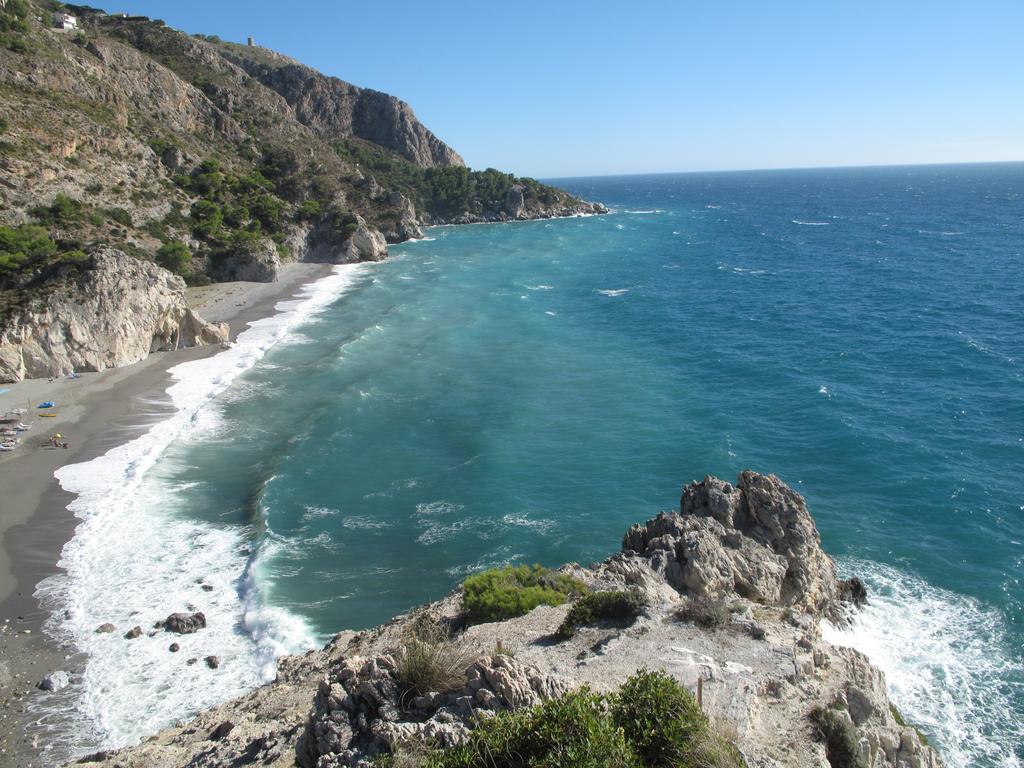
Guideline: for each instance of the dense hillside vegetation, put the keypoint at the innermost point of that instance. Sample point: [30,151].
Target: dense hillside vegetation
[188,149]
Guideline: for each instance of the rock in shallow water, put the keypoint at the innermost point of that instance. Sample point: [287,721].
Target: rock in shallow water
[184,623]
[55,681]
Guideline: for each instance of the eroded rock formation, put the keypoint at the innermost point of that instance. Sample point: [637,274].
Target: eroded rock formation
[256,261]
[755,539]
[114,311]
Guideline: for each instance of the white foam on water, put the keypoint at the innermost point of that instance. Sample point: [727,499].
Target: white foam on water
[812,223]
[132,561]
[523,520]
[948,663]
[365,522]
[612,291]
[501,557]
[314,512]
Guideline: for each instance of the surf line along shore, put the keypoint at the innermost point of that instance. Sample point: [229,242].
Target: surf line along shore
[94,413]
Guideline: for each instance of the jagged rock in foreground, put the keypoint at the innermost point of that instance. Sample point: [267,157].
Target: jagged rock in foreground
[113,311]
[755,539]
[762,669]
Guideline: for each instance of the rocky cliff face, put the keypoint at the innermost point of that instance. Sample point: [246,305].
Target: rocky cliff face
[755,539]
[256,261]
[335,109]
[113,312]
[763,670]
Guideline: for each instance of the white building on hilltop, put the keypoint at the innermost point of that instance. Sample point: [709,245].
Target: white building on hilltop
[65,21]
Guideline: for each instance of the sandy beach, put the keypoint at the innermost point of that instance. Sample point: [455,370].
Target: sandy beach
[94,412]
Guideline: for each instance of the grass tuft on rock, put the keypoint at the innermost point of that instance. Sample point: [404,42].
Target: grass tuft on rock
[429,661]
[504,593]
[620,607]
[706,612]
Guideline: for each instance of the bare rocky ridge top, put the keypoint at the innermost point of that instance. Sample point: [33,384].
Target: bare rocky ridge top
[752,547]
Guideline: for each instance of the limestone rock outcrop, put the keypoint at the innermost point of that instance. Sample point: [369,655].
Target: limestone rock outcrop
[404,226]
[113,311]
[335,109]
[754,539]
[360,711]
[515,202]
[256,261]
[364,244]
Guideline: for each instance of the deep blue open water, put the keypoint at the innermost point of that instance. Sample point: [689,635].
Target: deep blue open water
[524,392]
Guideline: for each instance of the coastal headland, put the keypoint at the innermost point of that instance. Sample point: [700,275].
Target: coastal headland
[722,598]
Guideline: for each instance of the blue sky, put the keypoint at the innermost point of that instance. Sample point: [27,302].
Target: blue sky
[563,88]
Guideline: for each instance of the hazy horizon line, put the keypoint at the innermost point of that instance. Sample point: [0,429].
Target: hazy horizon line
[783,168]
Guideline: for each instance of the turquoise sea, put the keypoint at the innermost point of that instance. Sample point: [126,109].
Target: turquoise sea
[524,392]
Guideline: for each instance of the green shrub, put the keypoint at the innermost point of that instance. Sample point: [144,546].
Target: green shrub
[62,211]
[175,257]
[901,721]
[120,215]
[621,607]
[207,218]
[666,726]
[15,44]
[3,125]
[12,19]
[429,661]
[343,224]
[28,248]
[309,210]
[572,730]
[22,248]
[842,747]
[652,722]
[705,612]
[897,716]
[503,593]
